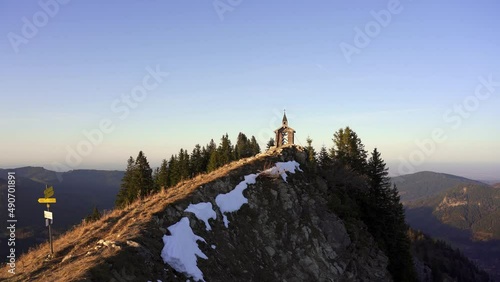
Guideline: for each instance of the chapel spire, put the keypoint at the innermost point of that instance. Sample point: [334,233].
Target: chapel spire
[285,120]
[284,135]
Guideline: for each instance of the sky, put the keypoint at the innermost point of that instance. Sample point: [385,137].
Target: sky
[86,84]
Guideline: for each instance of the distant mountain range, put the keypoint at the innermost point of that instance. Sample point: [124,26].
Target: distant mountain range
[77,192]
[462,211]
[422,185]
[251,225]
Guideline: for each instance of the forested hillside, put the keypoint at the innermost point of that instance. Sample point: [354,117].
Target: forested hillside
[438,261]
[425,184]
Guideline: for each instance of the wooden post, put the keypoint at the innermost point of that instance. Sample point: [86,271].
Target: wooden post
[50,232]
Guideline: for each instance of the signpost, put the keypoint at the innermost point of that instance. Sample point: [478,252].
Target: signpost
[47,200]
[48,193]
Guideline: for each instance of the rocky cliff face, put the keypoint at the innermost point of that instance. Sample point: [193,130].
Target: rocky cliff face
[281,230]
[284,233]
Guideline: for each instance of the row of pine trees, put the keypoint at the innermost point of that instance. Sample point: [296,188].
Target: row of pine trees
[140,180]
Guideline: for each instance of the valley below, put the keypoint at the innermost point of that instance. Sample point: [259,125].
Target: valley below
[462,212]
[486,254]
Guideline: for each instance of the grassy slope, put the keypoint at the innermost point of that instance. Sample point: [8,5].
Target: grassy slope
[75,251]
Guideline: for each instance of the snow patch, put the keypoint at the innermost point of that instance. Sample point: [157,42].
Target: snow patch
[203,211]
[282,168]
[233,200]
[181,249]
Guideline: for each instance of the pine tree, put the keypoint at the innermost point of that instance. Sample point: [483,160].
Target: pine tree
[197,164]
[384,216]
[255,148]
[401,266]
[125,196]
[143,181]
[172,178]
[156,179]
[323,157]
[94,216]
[379,203]
[162,176]
[183,165]
[213,163]
[349,150]
[211,146]
[311,153]
[225,151]
[243,147]
[377,172]
[270,143]
[207,156]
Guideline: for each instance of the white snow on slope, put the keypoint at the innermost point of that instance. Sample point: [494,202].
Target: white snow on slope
[181,250]
[282,168]
[203,211]
[232,201]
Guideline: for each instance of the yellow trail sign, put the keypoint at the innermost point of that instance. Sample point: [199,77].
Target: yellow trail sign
[47,200]
[49,192]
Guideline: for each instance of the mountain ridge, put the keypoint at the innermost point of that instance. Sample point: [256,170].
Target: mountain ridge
[126,244]
[424,184]
[285,230]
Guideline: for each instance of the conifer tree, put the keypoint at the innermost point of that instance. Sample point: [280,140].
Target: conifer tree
[183,165]
[270,143]
[225,151]
[242,148]
[378,176]
[213,163]
[211,146]
[144,180]
[349,150]
[171,177]
[94,216]
[323,157]
[125,195]
[385,219]
[196,164]
[207,156]
[399,244]
[255,148]
[311,153]
[156,179]
[162,174]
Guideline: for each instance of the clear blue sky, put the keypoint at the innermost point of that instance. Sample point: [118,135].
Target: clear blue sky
[236,70]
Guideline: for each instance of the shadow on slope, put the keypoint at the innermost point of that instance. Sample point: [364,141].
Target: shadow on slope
[485,254]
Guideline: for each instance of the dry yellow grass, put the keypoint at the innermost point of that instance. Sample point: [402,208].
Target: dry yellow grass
[75,251]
